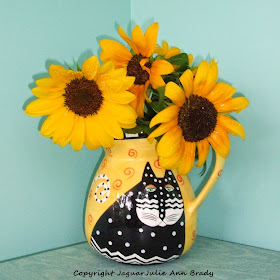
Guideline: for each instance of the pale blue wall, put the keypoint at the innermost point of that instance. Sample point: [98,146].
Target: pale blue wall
[244,37]
[42,186]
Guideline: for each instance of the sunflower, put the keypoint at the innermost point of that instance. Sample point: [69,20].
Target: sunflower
[139,63]
[197,119]
[88,106]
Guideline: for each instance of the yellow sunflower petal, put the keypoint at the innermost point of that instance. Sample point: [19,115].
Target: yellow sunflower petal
[220,142]
[128,40]
[122,113]
[63,75]
[90,67]
[138,38]
[232,126]
[205,79]
[41,107]
[106,68]
[190,56]
[65,126]
[166,115]
[110,125]
[127,126]
[162,50]
[115,52]
[234,104]
[221,92]
[124,97]
[119,73]
[91,135]
[175,93]
[161,67]
[186,163]
[115,85]
[163,128]
[186,80]
[78,133]
[172,52]
[51,122]
[156,81]
[203,150]
[172,161]
[47,93]
[151,39]
[137,104]
[170,142]
[50,83]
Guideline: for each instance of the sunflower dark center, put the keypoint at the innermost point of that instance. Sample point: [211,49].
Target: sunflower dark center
[134,69]
[83,97]
[197,118]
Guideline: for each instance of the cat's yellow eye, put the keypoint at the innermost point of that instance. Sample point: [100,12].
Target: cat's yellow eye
[151,188]
[169,188]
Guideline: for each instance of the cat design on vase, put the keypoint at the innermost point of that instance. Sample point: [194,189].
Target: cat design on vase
[146,224]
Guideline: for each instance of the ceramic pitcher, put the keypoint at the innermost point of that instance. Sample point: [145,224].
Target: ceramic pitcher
[139,213]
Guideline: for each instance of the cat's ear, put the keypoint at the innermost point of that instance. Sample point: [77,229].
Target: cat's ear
[170,176]
[148,172]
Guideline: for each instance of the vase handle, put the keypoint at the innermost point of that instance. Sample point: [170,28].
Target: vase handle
[219,165]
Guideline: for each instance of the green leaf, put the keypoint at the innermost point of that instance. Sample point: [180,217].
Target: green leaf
[78,67]
[181,60]
[68,66]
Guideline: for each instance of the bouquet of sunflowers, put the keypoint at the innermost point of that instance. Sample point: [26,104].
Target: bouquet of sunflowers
[147,88]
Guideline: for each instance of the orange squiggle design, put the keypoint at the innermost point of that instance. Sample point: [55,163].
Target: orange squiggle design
[156,164]
[193,235]
[104,163]
[129,171]
[132,153]
[90,194]
[90,219]
[117,184]
[180,179]
[109,151]
[220,172]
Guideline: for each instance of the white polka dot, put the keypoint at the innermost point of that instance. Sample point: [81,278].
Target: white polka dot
[182,223]
[146,175]
[165,180]
[162,210]
[139,192]
[160,204]
[167,195]
[164,248]
[151,175]
[148,167]
[155,195]
[161,215]
[180,246]
[119,232]
[173,194]
[161,200]
[155,180]
[174,181]
[128,217]
[169,172]
[173,233]
[153,234]
[143,251]
[178,188]
[144,183]
[141,230]
[160,188]
[161,193]
[126,244]
[122,205]
[169,178]
[159,181]
[97,232]
[130,193]
[110,220]
[110,242]
[179,195]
